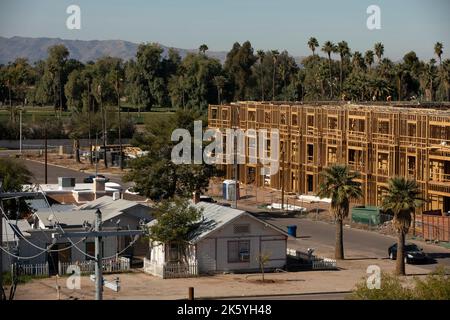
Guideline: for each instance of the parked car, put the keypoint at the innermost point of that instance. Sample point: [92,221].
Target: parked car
[207,199]
[413,253]
[130,190]
[90,179]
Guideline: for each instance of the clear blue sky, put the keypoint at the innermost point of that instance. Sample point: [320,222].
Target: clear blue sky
[268,24]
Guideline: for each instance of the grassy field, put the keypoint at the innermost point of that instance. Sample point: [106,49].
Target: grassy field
[38,114]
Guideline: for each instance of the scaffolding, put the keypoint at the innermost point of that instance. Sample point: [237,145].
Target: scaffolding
[377,140]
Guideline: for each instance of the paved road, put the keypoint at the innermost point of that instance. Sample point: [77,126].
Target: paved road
[359,244]
[53,172]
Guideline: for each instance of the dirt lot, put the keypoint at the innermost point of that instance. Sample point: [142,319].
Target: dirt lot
[139,285]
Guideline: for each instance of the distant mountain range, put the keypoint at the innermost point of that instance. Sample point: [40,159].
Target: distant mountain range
[36,49]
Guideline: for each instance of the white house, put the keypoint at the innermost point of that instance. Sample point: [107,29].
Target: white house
[227,240]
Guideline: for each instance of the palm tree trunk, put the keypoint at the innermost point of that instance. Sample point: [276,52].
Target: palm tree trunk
[400,267]
[340,77]
[331,85]
[339,247]
[77,150]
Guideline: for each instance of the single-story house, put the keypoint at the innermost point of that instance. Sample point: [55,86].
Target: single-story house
[227,240]
[117,214]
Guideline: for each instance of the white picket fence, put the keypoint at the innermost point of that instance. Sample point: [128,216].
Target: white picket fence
[31,269]
[171,270]
[318,263]
[112,265]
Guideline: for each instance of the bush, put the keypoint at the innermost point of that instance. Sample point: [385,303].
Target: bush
[435,286]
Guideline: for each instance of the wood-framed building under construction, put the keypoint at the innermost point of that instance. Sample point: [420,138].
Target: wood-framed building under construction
[378,140]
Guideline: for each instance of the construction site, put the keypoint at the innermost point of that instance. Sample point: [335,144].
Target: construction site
[377,140]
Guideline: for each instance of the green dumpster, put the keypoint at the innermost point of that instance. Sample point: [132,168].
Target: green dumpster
[369,215]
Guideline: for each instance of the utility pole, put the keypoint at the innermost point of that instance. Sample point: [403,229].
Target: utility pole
[89,121]
[20,131]
[235,165]
[96,153]
[2,293]
[45,137]
[98,234]
[282,174]
[98,257]
[120,122]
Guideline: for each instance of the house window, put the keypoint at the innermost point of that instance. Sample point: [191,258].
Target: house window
[238,251]
[241,228]
[174,252]
[294,120]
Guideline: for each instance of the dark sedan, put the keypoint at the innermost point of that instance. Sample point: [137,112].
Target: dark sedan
[412,253]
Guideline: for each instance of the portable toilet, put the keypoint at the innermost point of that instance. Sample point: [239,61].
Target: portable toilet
[228,190]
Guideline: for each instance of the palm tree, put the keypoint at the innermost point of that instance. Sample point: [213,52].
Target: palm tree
[438,50]
[379,51]
[328,48]
[313,44]
[427,78]
[219,82]
[402,197]
[339,184]
[344,51]
[357,60]
[368,58]
[261,55]
[203,48]
[275,54]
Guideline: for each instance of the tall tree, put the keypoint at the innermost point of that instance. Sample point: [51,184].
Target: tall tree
[358,61]
[402,197]
[238,66]
[313,44]
[379,51]
[344,51]
[340,184]
[438,50]
[219,82]
[368,58]
[261,55]
[275,55]
[56,61]
[328,47]
[203,48]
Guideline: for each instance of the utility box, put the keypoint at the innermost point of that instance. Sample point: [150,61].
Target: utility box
[65,183]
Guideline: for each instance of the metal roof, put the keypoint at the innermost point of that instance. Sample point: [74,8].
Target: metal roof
[107,202]
[10,231]
[68,218]
[215,216]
